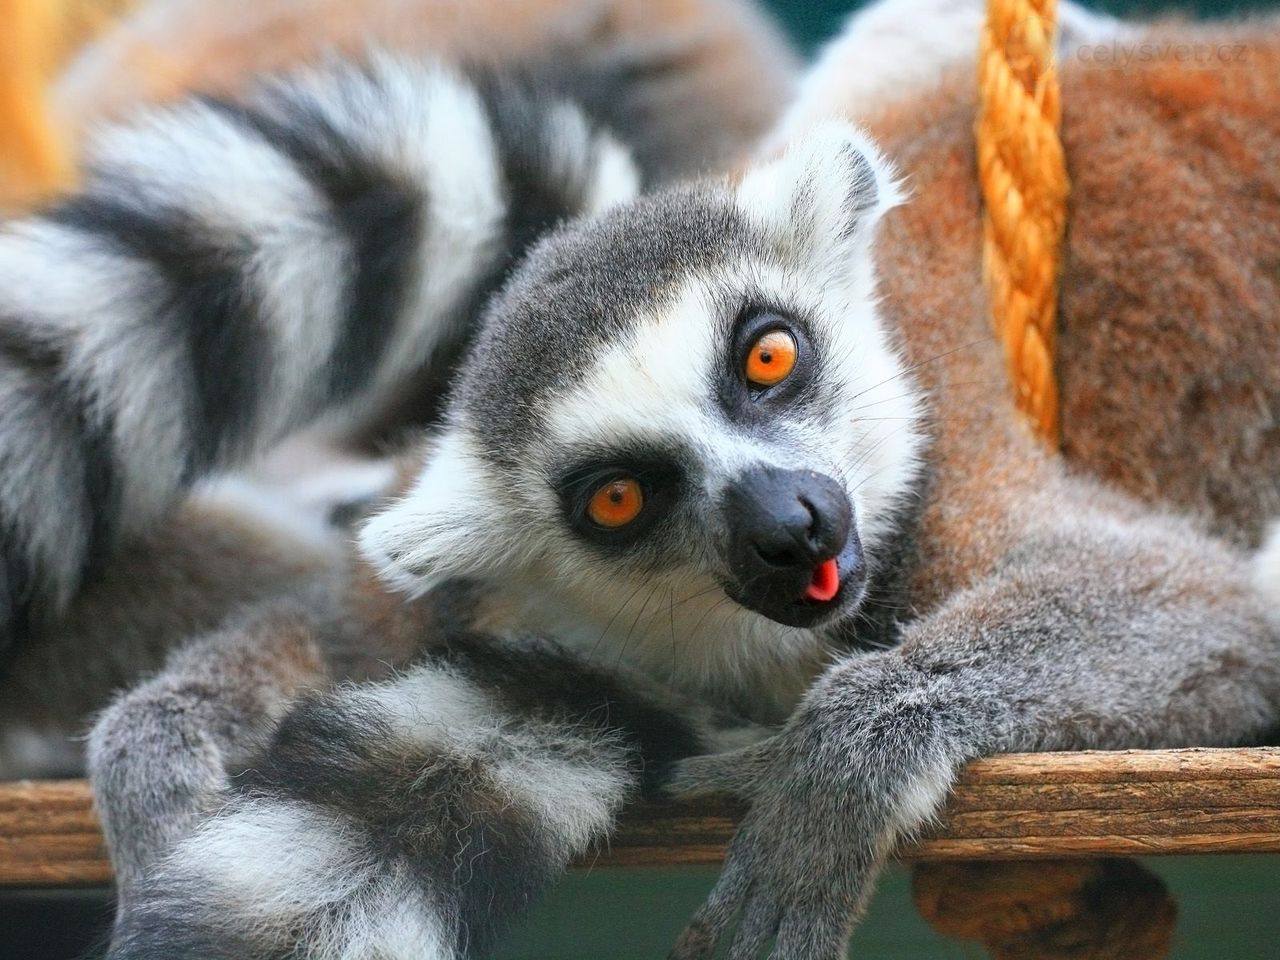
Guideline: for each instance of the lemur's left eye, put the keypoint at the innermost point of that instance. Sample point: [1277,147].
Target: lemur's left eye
[771,358]
[616,503]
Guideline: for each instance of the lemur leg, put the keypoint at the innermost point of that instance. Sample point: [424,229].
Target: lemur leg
[410,818]
[160,755]
[1103,634]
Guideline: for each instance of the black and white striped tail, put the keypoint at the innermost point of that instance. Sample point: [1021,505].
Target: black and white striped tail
[411,819]
[234,271]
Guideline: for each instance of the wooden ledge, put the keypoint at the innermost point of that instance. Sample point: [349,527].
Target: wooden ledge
[1014,807]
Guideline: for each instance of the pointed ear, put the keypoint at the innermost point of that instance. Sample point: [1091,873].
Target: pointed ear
[822,198]
[441,528]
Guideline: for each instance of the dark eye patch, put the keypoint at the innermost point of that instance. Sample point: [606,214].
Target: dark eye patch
[662,478]
[749,403]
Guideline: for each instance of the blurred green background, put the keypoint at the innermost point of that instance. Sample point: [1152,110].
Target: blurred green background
[1229,907]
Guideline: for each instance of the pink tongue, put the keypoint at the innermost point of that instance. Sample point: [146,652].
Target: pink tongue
[825,583]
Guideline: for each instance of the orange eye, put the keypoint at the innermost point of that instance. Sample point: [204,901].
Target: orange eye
[617,503]
[771,359]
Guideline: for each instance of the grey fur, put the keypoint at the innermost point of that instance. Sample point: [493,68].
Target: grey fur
[1127,649]
[1101,624]
[446,796]
[685,269]
[569,298]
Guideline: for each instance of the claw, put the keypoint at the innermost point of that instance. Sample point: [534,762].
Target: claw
[697,942]
[819,935]
[759,923]
[700,937]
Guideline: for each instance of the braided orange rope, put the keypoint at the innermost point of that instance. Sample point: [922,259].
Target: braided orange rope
[33,158]
[36,38]
[1023,174]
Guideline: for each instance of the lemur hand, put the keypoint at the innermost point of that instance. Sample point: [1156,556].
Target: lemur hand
[830,797]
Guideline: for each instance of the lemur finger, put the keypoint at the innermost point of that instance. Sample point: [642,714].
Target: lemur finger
[736,772]
[817,932]
[759,923]
[700,937]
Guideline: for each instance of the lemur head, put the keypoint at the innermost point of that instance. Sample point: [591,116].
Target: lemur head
[682,414]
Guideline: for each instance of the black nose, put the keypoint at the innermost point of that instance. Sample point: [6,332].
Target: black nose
[781,524]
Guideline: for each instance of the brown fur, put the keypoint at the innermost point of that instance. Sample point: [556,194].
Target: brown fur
[1168,309]
[1174,172]
[733,67]
[118,630]
[1170,359]
[1055,613]
[1170,353]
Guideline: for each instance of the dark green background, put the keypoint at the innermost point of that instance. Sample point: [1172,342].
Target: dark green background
[1229,907]
[812,21]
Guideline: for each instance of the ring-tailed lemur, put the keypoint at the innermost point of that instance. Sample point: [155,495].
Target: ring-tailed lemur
[686,472]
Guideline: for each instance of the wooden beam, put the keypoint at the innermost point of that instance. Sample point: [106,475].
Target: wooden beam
[49,836]
[1015,807]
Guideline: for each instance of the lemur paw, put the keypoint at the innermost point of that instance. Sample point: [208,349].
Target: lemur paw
[855,770]
[792,873]
[734,773]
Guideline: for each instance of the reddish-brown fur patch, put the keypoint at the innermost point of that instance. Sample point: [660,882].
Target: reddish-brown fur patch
[1170,353]
[731,69]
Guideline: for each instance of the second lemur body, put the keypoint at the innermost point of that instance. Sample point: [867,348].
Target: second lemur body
[700,474]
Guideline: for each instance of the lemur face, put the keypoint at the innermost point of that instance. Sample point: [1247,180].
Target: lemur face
[689,395]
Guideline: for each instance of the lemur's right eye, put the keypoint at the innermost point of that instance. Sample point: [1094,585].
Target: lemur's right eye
[616,503]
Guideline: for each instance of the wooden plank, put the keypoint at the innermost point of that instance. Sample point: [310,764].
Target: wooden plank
[1014,807]
[49,836]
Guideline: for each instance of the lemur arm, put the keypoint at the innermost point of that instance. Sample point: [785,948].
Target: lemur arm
[1103,635]
[233,272]
[404,819]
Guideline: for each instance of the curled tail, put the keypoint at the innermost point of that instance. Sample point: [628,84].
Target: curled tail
[414,818]
[232,272]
